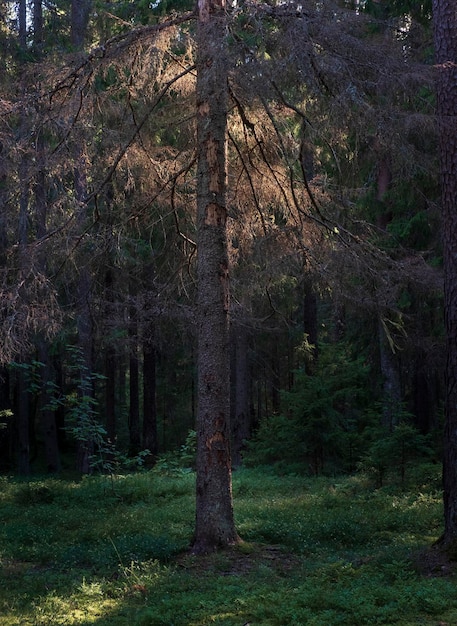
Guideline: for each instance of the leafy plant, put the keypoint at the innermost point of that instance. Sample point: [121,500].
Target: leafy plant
[182,460]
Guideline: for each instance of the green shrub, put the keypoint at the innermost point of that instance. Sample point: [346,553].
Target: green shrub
[320,427]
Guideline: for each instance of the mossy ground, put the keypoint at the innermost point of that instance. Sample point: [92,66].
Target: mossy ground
[315,552]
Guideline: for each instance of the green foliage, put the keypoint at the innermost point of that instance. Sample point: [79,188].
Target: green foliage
[395,451]
[182,460]
[321,424]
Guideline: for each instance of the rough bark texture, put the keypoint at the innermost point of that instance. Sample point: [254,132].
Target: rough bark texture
[445,33]
[215,526]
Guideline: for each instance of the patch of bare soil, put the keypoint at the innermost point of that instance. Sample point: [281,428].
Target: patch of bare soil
[239,560]
[434,562]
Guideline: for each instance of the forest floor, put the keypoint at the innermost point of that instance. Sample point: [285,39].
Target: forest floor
[315,552]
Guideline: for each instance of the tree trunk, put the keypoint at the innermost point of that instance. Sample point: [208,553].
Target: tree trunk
[390,373]
[47,415]
[215,527]
[149,400]
[445,35]
[134,388]
[80,11]
[241,425]
[23,422]
[110,362]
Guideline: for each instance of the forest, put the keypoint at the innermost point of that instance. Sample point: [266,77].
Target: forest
[308,291]
[337,338]
[228,312]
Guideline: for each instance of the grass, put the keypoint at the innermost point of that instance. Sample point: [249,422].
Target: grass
[315,552]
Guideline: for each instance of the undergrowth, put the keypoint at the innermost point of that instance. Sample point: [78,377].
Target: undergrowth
[322,552]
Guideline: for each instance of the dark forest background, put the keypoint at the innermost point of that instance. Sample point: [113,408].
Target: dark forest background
[337,337]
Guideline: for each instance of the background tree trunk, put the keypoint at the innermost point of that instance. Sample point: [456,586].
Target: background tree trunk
[215,525]
[445,34]
[150,440]
[241,385]
[134,378]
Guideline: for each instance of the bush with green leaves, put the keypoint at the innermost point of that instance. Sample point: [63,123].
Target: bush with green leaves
[182,460]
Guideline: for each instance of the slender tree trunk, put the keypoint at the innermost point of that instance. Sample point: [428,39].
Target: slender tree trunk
[215,527]
[22,400]
[310,326]
[23,422]
[241,422]
[390,373]
[84,321]
[445,35]
[47,415]
[390,367]
[150,441]
[79,15]
[134,379]
[80,11]
[110,363]
[22,19]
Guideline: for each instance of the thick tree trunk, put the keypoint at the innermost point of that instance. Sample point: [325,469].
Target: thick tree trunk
[445,34]
[215,527]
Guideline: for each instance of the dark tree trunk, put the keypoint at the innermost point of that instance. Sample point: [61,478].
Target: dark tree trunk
[23,422]
[388,360]
[150,441]
[310,324]
[37,26]
[22,383]
[423,396]
[215,527]
[22,19]
[47,415]
[274,378]
[80,11]
[110,393]
[110,362]
[241,384]
[134,379]
[390,374]
[445,35]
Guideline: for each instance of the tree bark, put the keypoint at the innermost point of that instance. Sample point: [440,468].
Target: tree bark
[215,527]
[445,36]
